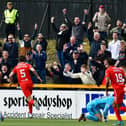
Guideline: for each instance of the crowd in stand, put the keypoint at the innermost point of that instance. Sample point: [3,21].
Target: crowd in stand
[75,65]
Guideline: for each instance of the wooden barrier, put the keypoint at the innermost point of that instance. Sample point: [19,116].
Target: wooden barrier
[59,86]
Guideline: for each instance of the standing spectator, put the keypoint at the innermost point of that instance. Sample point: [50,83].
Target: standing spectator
[122,53]
[62,37]
[12,48]
[26,42]
[42,41]
[117,29]
[40,58]
[123,33]
[114,46]
[11,17]
[95,46]
[102,20]
[78,27]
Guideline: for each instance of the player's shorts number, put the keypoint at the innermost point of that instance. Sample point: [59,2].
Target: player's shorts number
[119,77]
[22,72]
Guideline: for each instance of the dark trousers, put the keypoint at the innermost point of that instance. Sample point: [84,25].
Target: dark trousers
[10,29]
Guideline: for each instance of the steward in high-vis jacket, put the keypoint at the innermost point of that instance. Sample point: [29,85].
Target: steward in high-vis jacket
[11,16]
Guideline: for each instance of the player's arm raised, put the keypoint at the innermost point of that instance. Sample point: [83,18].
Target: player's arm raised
[35,73]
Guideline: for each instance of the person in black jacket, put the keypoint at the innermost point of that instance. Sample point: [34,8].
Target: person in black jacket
[61,38]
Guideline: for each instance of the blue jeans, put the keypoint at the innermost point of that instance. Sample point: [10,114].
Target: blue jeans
[60,57]
[42,74]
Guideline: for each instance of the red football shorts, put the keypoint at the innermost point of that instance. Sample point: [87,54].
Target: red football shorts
[118,94]
[26,88]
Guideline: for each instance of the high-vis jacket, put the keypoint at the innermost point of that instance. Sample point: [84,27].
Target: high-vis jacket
[10,16]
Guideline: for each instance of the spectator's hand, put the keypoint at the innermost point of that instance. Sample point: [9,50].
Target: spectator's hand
[85,11]
[71,51]
[36,26]
[124,26]
[109,26]
[89,25]
[18,26]
[65,47]
[96,14]
[33,51]
[64,11]
[90,58]
[52,19]
[106,14]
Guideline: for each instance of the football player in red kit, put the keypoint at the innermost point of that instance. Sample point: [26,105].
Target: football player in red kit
[117,77]
[22,70]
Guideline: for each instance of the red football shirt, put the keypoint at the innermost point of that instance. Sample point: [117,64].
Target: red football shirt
[23,72]
[116,76]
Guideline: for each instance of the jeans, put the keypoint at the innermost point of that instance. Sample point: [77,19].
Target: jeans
[60,57]
[103,35]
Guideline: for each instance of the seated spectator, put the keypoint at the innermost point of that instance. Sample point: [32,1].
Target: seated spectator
[103,53]
[117,29]
[26,42]
[83,56]
[114,46]
[57,74]
[4,74]
[42,41]
[122,53]
[69,48]
[40,58]
[85,75]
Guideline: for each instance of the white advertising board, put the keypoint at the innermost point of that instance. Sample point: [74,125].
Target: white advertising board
[53,103]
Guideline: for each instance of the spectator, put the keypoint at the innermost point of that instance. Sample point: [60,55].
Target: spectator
[5,60]
[69,48]
[103,53]
[114,46]
[42,41]
[12,48]
[123,32]
[29,59]
[26,42]
[83,56]
[117,29]
[85,75]
[4,74]
[62,36]
[67,79]
[78,27]
[57,74]
[95,46]
[40,58]
[11,17]
[102,20]
[122,53]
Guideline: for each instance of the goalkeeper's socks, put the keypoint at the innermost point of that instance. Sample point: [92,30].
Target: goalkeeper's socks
[36,105]
[123,109]
[117,112]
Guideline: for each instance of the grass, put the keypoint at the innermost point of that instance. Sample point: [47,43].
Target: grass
[52,122]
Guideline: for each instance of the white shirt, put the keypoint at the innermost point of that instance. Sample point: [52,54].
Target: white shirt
[114,48]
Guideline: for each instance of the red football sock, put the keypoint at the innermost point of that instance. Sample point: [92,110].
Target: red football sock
[30,107]
[117,112]
[123,109]
[31,101]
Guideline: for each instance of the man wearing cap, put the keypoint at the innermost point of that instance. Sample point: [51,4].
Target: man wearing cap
[11,16]
[101,20]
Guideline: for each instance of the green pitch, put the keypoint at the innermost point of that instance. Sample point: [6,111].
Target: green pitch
[47,122]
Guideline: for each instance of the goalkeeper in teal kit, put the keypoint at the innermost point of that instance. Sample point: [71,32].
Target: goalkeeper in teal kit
[94,108]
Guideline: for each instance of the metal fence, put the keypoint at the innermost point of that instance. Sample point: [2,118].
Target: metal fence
[40,11]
